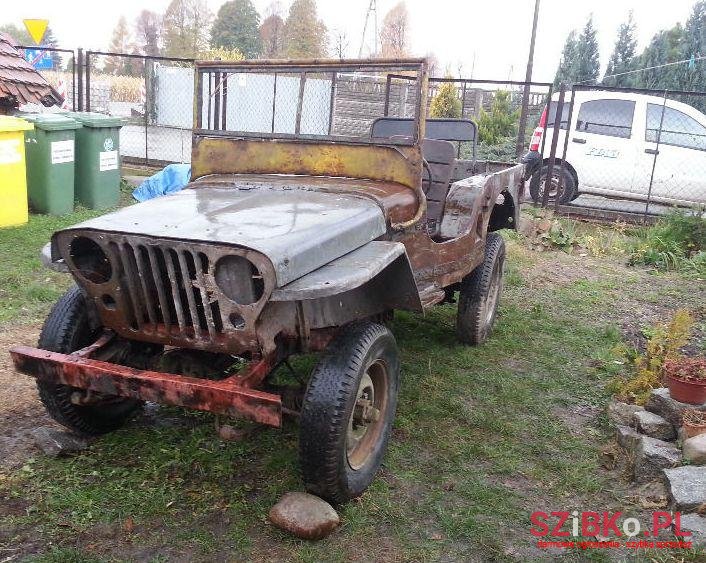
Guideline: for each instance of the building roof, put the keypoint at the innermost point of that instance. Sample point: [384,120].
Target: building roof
[20,83]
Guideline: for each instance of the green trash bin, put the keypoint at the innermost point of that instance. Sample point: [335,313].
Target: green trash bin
[50,154]
[97,182]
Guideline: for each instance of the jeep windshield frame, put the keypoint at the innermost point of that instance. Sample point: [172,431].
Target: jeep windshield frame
[263,113]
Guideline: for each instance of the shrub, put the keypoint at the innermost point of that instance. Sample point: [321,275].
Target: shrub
[446,102]
[676,242]
[664,343]
[500,123]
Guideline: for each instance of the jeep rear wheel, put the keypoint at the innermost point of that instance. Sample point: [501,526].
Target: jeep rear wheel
[69,328]
[348,411]
[480,294]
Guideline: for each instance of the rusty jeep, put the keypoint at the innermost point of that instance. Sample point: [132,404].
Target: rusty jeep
[321,200]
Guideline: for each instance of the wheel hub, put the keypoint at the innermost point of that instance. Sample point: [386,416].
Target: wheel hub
[365,423]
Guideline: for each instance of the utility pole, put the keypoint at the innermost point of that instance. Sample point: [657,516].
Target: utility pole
[520,146]
[372,8]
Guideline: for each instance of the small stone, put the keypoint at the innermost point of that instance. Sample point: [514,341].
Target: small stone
[622,413]
[652,456]
[661,403]
[695,449]
[304,515]
[696,525]
[57,443]
[627,437]
[686,487]
[653,425]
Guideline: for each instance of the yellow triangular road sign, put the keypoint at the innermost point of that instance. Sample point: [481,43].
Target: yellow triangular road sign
[37,29]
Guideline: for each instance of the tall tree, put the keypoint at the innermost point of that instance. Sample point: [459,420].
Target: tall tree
[304,32]
[588,65]
[120,42]
[692,76]
[186,28]
[394,32]
[567,63]
[236,27]
[666,46]
[272,36]
[148,31]
[622,59]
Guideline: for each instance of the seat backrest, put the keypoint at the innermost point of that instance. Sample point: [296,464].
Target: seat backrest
[441,156]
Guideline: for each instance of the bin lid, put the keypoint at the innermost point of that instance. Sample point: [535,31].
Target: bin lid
[9,123]
[52,121]
[93,119]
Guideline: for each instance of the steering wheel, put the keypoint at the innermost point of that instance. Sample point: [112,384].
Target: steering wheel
[427,168]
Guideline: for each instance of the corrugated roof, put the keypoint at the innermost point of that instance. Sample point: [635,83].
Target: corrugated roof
[19,82]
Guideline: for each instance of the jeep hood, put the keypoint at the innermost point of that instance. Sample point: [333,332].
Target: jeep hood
[299,230]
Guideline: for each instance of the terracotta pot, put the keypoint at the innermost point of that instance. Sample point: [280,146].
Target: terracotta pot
[692,392]
[689,429]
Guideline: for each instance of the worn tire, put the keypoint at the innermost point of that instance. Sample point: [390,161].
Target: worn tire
[330,470]
[479,296]
[69,328]
[568,192]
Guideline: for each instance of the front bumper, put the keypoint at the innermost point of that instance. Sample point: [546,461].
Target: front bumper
[229,397]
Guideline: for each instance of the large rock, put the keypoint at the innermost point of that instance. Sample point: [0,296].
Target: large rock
[686,487]
[653,425]
[304,515]
[622,413]
[696,525]
[57,443]
[661,403]
[627,437]
[695,449]
[652,456]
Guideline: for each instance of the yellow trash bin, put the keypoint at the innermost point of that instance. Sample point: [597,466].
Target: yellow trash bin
[13,175]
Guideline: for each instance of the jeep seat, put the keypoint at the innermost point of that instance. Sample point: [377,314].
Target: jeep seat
[441,156]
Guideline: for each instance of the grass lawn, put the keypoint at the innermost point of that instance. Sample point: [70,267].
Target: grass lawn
[483,437]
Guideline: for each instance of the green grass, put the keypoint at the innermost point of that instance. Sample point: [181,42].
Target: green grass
[483,437]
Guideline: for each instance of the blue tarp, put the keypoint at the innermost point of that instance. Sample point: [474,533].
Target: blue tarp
[171,179]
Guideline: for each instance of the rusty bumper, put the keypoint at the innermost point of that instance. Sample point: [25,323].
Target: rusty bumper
[226,397]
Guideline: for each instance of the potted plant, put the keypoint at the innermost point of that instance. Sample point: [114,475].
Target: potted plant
[686,379]
[693,423]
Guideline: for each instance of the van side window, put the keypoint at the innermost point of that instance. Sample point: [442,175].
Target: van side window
[678,129]
[606,117]
[564,121]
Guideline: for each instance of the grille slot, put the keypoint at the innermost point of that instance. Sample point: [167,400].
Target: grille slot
[167,291]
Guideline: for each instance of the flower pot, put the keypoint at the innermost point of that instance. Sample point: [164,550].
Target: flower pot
[692,392]
[689,429]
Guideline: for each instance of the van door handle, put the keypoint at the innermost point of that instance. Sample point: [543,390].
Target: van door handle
[579,141]
[651,151]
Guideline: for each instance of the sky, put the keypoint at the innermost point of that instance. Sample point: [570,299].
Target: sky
[486,40]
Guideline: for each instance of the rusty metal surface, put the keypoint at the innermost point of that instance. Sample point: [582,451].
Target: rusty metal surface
[343,274]
[164,291]
[223,397]
[298,230]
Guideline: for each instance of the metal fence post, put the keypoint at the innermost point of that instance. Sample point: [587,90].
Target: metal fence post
[79,70]
[552,150]
[562,171]
[88,80]
[147,108]
[654,160]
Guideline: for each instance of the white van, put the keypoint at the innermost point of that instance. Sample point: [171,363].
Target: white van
[612,147]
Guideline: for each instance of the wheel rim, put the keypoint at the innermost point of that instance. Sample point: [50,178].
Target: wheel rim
[491,301]
[366,423]
[553,186]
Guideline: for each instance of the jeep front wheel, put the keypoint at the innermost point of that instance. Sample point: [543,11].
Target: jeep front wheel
[69,328]
[348,411]
[480,293]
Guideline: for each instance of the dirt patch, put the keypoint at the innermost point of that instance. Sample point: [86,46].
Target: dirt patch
[20,409]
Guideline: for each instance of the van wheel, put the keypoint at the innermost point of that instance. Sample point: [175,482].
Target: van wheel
[480,294]
[348,410]
[568,188]
[69,328]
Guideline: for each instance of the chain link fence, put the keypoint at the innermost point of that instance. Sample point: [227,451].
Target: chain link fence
[627,150]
